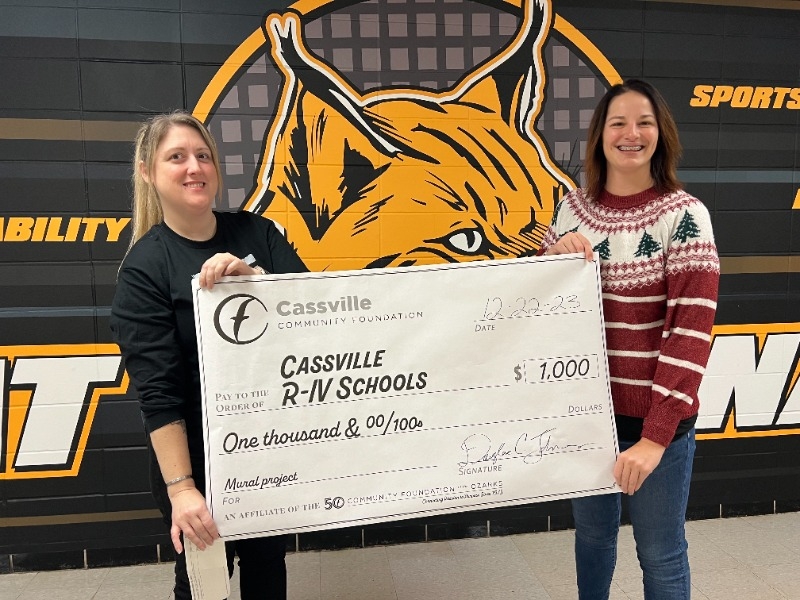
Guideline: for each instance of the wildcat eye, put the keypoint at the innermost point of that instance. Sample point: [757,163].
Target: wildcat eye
[468,241]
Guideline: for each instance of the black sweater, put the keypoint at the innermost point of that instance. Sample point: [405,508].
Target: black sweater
[152,315]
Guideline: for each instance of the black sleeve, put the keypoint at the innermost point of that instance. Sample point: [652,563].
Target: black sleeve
[143,324]
[283,256]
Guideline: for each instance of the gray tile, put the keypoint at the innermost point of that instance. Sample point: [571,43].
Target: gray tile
[70,578]
[143,590]
[724,585]
[356,573]
[563,592]
[748,557]
[303,573]
[784,578]
[713,528]
[706,555]
[425,570]
[550,556]
[65,593]
[495,568]
[13,584]
[632,587]
[133,575]
[756,547]
[627,561]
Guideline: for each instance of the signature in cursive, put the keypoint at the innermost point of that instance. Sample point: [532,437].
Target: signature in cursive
[531,448]
[478,449]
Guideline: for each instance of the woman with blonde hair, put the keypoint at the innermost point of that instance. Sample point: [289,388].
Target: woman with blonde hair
[176,235]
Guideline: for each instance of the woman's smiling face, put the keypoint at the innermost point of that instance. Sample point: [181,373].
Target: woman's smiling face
[630,133]
[184,174]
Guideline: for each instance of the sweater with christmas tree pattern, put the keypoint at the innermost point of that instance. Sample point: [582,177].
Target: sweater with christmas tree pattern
[659,273]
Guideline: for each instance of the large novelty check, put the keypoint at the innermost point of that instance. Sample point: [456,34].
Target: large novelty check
[345,398]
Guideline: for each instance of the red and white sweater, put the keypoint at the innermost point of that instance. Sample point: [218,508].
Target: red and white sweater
[660,275]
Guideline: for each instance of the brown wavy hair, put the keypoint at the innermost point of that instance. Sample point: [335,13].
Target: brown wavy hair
[663,165]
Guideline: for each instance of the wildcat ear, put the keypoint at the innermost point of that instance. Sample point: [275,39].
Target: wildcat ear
[323,149]
[321,80]
[511,83]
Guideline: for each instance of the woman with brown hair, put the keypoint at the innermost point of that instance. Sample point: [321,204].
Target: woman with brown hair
[659,274]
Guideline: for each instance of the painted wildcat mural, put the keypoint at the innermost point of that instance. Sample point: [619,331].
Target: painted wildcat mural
[404,177]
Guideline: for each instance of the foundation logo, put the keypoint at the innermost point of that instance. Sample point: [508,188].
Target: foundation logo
[241,319]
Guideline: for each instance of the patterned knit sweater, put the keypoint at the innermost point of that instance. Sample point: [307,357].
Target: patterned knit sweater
[660,275]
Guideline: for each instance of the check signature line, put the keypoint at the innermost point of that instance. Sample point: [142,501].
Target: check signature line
[539,455]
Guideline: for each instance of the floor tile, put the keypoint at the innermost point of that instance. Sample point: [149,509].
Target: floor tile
[66,593]
[495,568]
[143,590]
[784,578]
[304,576]
[11,585]
[746,558]
[550,557]
[706,555]
[354,574]
[68,578]
[734,583]
[133,575]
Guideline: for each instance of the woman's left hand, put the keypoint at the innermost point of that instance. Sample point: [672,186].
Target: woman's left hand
[220,265]
[636,463]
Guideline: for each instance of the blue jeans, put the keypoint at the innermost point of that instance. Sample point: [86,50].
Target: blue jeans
[658,514]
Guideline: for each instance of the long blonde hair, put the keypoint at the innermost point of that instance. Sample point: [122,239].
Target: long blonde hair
[146,204]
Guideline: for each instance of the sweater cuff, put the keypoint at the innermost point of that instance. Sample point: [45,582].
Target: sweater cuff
[660,428]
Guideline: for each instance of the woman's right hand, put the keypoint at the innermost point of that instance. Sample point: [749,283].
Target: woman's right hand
[190,516]
[572,243]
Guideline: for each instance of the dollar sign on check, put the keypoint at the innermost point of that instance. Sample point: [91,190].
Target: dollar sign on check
[517,373]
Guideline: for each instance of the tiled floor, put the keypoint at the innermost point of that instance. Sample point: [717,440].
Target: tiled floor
[748,558]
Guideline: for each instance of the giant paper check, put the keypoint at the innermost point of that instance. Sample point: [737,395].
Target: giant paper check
[346,398]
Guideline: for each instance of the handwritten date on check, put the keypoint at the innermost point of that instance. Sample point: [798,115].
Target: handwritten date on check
[355,397]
